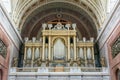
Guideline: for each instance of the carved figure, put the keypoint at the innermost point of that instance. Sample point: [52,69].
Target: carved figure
[71,62]
[103,62]
[39,61]
[47,62]
[15,62]
[78,61]
[58,26]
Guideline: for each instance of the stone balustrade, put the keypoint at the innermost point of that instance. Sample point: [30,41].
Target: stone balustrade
[47,73]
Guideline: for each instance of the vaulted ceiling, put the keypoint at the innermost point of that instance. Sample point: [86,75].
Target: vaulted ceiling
[30,14]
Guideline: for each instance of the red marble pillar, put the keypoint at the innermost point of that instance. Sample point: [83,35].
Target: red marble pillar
[4,62]
[0,74]
[114,61]
[4,74]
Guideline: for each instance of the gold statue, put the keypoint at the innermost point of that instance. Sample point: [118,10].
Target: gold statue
[39,61]
[102,62]
[47,62]
[71,62]
[78,61]
[15,62]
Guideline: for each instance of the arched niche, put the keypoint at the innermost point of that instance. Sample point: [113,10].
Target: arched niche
[59,49]
[64,39]
[29,54]
[37,53]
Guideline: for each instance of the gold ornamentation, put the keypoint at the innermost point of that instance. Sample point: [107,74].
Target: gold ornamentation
[47,62]
[71,61]
[15,62]
[78,61]
[102,62]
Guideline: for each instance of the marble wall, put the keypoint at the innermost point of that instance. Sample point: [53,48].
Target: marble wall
[110,31]
[11,38]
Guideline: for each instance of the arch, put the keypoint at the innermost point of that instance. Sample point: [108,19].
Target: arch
[61,37]
[81,4]
[78,15]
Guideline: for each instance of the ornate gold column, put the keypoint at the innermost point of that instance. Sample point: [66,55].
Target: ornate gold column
[49,48]
[85,55]
[68,47]
[74,47]
[43,50]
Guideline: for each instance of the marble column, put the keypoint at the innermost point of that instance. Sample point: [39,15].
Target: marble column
[43,49]
[0,74]
[5,74]
[68,47]
[74,38]
[49,48]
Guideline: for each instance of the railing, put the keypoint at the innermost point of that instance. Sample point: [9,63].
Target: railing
[61,78]
[59,73]
[57,69]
